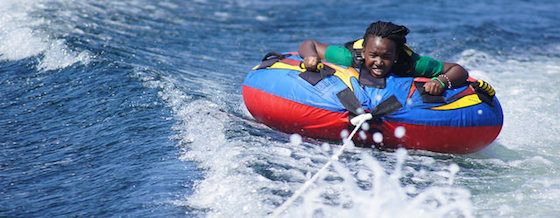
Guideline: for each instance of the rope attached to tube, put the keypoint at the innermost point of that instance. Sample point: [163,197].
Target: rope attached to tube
[360,120]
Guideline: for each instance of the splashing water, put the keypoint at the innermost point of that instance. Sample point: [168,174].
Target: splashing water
[194,64]
[343,194]
[400,132]
[19,38]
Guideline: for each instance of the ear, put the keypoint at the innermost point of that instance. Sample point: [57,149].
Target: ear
[363,52]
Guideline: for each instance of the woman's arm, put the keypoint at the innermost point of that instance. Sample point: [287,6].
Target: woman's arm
[454,75]
[312,52]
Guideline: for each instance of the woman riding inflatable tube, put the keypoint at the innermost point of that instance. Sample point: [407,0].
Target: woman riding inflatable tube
[383,51]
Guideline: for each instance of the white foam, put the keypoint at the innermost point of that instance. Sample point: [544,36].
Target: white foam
[326,147]
[296,139]
[262,18]
[232,188]
[534,162]
[19,43]
[59,56]
[21,38]
[386,198]
[525,87]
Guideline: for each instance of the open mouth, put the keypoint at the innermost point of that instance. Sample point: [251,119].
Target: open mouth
[376,71]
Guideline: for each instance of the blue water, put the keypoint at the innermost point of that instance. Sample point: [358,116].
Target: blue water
[134,108]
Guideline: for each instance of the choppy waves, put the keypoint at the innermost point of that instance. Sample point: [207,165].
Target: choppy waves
[20,38]
[145,59]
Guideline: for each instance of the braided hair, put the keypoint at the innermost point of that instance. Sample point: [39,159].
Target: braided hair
[394,32]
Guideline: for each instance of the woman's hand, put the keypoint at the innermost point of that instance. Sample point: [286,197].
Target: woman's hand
[434,87]
[311,63]
[454,75]
[312,53]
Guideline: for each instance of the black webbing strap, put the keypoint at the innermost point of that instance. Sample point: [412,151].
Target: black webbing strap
[270,58]
[313,77]
[353,106]
[357,59]
[350,102]
[385,108]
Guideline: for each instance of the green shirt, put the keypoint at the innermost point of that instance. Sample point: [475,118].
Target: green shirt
[423,66]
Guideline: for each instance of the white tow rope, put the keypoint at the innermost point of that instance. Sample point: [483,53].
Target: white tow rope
[357,121]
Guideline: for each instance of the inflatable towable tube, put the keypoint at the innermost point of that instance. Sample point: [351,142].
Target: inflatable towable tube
[282,95]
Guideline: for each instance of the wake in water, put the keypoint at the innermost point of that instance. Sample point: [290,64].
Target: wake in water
[20,39]
[92,86]
[251,169]
[251,175]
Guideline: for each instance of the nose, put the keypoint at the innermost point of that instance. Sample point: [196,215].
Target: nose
[377,60]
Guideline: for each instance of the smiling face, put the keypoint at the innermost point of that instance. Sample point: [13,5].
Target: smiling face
[379,55]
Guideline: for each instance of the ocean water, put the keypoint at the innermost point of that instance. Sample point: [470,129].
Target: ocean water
[134,108]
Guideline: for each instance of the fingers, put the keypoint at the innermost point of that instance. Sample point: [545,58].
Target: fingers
[433,87]
[311,63]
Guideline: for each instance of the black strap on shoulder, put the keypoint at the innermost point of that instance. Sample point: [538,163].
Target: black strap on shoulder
[314,77]
[428,98]
[270,58]
[357,58]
